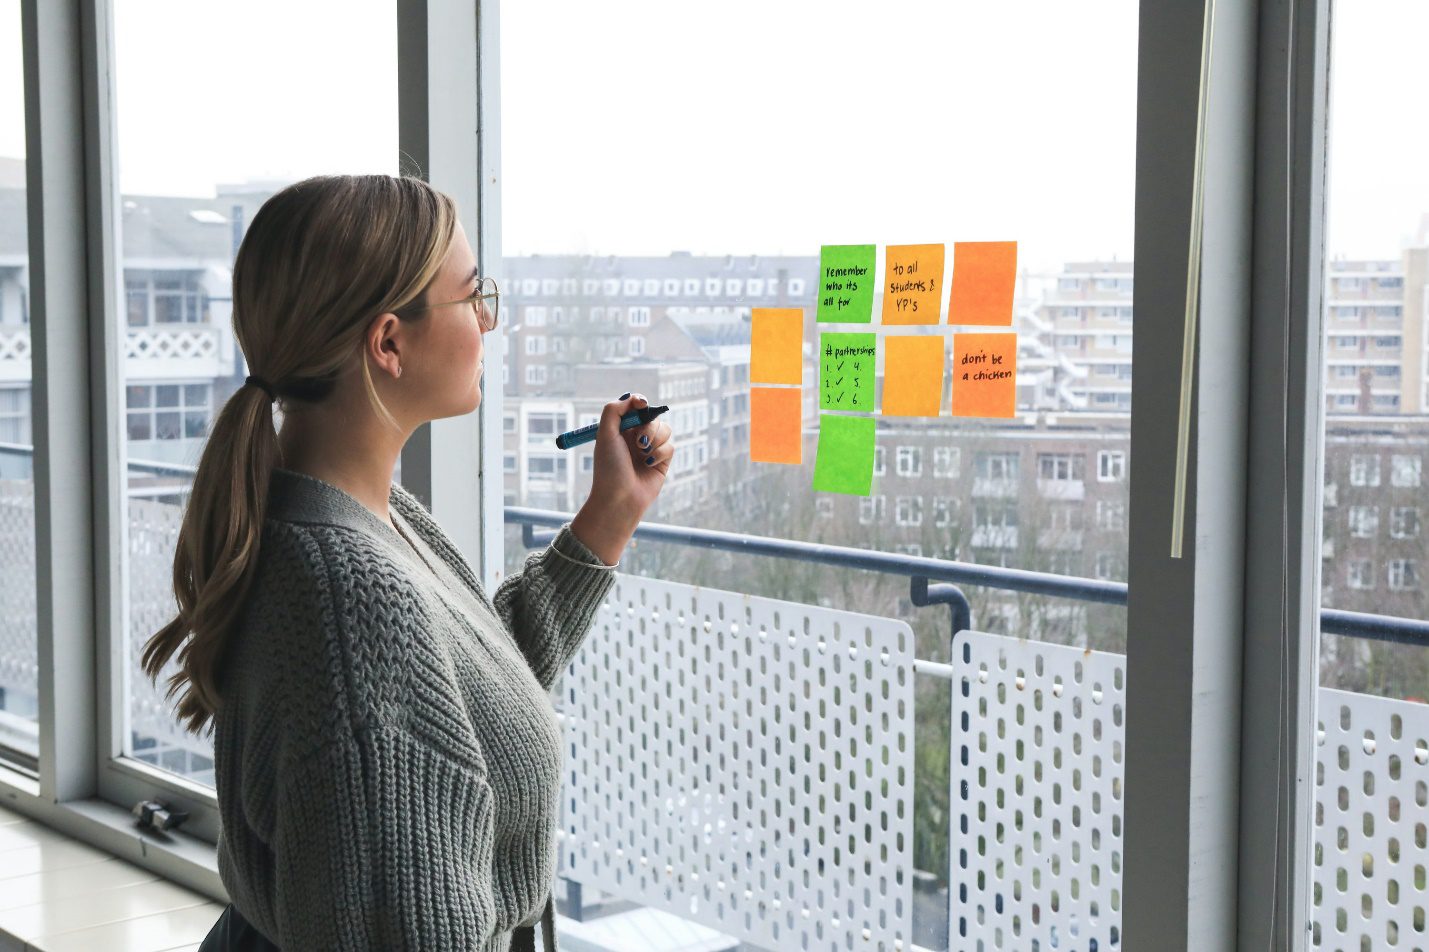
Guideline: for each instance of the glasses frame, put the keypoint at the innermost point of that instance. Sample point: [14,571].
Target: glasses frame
[485,288]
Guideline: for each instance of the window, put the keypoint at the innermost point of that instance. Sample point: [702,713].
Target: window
[639,317]
[534,316]
[910,461]
[1364,521]
[164,297]
[1404,522]
[1111,514]
[587,463]
[535,374]
[637,346]
[824,506]
[508,463]
[508,423]
[168,411]
[535,344]
[945,461]
[878,461]
[1062,467]
[1361,573]
[1364,470]
[944,510]
[1403,575]
[908,511]
[997,466]
[1111,566]
[870,509]
[1111,465]
[1405,470]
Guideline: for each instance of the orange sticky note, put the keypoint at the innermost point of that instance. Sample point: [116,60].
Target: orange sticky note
[984,273]
[984,375]
[776,425]
[776,345]
[912,375]
[912,284]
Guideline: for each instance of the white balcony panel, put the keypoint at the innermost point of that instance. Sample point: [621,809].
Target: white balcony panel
[180,352]
[14,354]
[745,763]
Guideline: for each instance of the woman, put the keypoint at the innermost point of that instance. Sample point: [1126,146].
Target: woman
[387,758]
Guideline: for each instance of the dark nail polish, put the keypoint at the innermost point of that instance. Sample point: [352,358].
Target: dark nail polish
[649,460]
[645,441]
[625,396]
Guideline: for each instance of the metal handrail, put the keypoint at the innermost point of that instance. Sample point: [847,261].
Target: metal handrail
[921,571]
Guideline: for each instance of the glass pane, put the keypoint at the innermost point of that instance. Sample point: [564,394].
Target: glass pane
[19,737]
[640,266]
[1372,756]
[189,189]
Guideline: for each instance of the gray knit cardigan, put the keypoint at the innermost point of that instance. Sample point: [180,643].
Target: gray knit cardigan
[388,760]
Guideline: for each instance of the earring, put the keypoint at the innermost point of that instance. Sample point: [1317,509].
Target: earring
[399,370]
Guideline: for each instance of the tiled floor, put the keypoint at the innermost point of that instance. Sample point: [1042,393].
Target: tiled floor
[59,895]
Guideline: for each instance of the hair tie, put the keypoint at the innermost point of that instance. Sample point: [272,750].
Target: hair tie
[262,384]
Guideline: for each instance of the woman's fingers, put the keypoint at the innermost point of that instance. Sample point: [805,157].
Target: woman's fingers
[657,457]
[645,438]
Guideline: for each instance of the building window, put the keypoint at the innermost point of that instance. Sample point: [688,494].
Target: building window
[1364,521]
[508,463]
[536,374]
[164,297]
[1404,522]
[15,415]
[879,467]
[946,461]
[508,423]
[535,317]
[1060,467]
[639,317]
[796,287]
[1405,470]
[997,466]
[910,461]
[535,344]
[1403,575]
[1361,573]
[908,511]
[824,507]
[1111,567]
[637,346]
[1111,466]
[588,463]
[1364,470]
[870,509]
[944,508]
[168,411]
[1111,514]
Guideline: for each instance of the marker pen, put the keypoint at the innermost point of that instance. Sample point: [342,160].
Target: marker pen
[587,433]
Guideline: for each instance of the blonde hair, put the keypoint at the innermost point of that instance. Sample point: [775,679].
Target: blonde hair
[319,261]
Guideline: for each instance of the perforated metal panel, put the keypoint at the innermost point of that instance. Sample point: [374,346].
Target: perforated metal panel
[1037,770]
[1371,811]
[745,763]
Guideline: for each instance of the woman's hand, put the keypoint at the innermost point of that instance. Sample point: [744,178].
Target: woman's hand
[630,469]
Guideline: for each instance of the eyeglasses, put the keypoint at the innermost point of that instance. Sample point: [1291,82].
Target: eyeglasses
[485,290]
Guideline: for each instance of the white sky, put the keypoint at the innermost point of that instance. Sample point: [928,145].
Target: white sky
[747,126]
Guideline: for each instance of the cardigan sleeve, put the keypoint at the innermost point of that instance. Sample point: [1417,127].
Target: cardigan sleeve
[383,843]
[548,604]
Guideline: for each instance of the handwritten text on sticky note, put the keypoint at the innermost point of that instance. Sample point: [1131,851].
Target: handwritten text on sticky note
[846,371]
[984,375]
[846,283]
[984,276]
[912,284]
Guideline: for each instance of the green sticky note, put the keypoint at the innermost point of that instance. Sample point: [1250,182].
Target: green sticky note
[845,459]
[846,284]
[846,371]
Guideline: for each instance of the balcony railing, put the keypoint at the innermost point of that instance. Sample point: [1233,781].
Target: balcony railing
[1078,902]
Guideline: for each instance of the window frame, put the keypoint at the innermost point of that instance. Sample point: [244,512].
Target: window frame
[1201,745]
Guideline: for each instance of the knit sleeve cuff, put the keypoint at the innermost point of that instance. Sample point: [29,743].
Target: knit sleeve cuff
[577,574]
